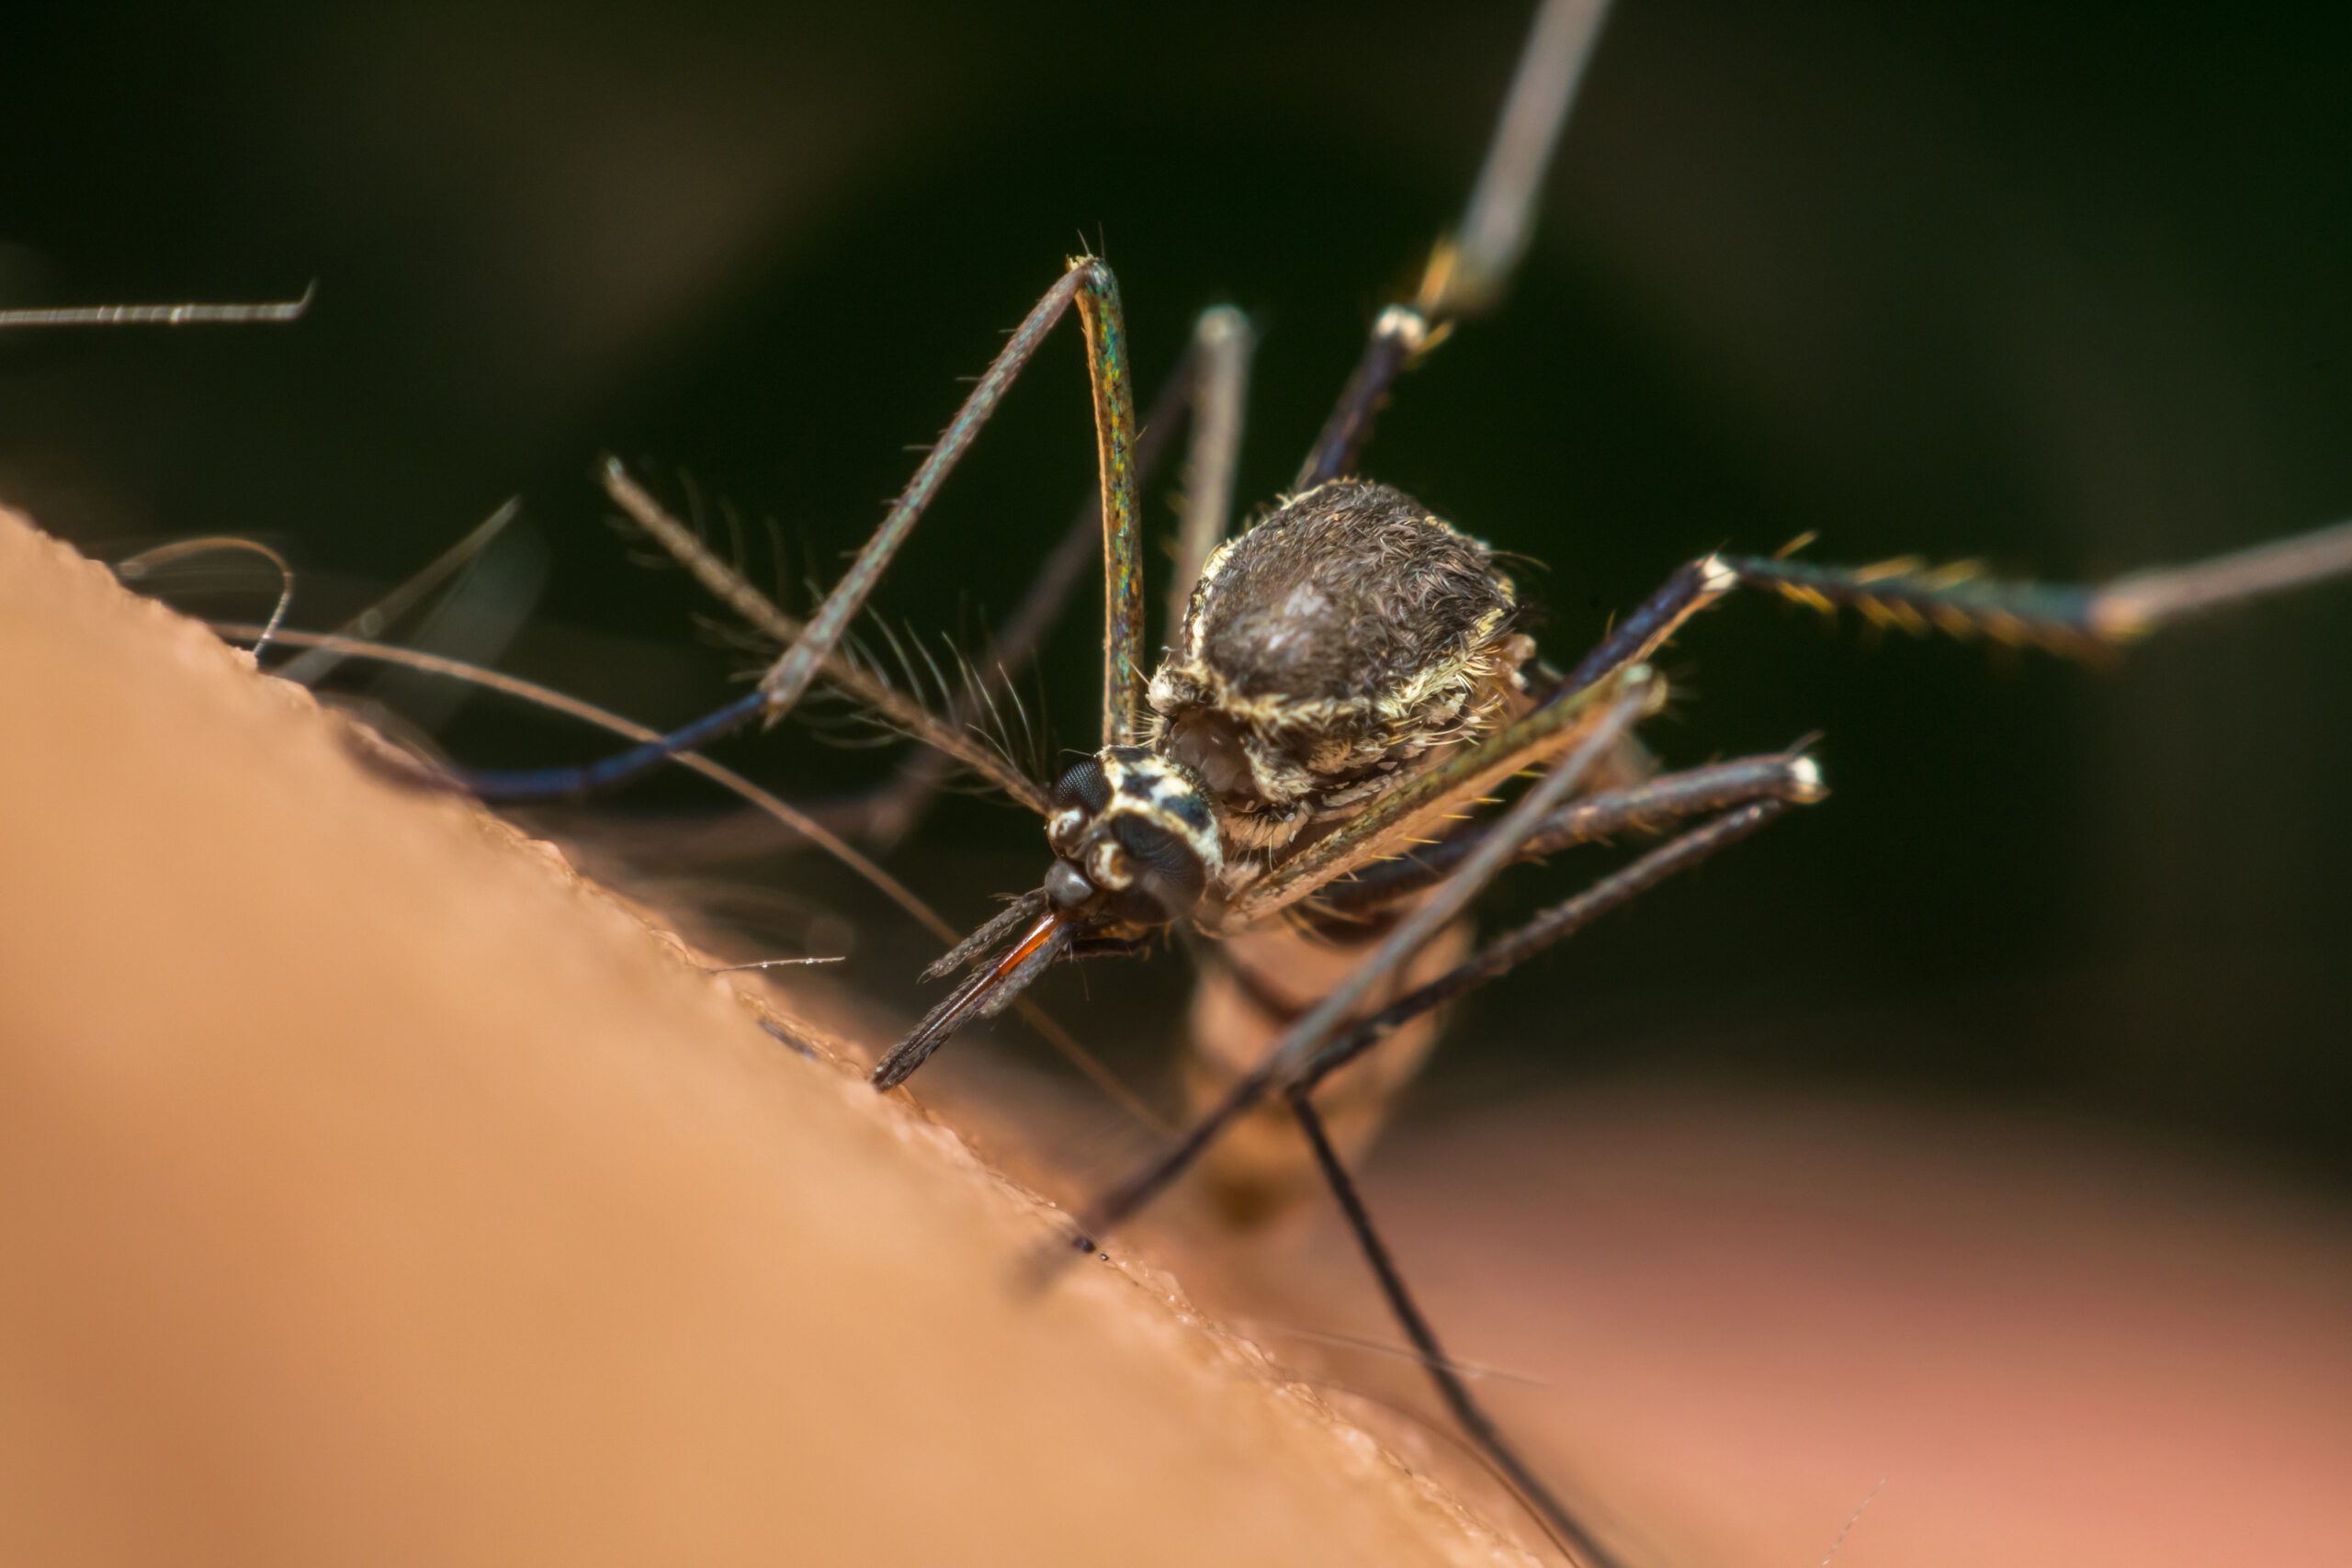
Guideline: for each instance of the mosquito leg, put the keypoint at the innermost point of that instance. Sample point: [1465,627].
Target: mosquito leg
[1472,1418]
[310,668]
[1356,1075]
[1635,696]
[2067,619]
[795,821]
[1959,600]
[892,812]
[1670,797]
[1399,334]
[889,814]
[2136,604]
[1042,605]
[1556,924]
[1471,267]
[1694,586]
[1252,988]
[1474,266]
[158,315]
[1258,983]
[945,737]
[1211,381]
[135,569]
[1223,344]
[1340,1045]
[342,647]
[1089,285]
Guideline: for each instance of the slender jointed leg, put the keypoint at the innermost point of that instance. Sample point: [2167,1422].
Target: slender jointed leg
[1265,981]
[795,821]
[1474,1419]
[1089,284]
[1556,924]
[1210,383]
[1222,344]
[158,315]
[1653,803]
[1693,587]
[1399,334]
[1957,600]
[946,739]
[1634,696]
[2068,619]
[1323,1052]
[314,666]
[132,568]
[1470,268]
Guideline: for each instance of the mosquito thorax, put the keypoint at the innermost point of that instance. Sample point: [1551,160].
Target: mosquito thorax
[1328,648]
[1134,838]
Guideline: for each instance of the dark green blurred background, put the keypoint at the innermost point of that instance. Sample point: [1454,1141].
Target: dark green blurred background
[2069,289]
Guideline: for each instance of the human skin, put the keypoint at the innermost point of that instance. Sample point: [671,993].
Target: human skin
[374,1188]
[1738,1312]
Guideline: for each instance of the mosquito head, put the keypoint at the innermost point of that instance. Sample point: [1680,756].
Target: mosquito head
[1134,845]
[1135,839]
[1328,647]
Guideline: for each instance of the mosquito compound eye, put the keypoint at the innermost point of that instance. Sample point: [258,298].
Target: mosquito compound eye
[1083,788]
[1171,868]
[1066,887]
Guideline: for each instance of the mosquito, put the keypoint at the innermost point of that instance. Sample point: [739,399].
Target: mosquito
[1306,778]
[1307,770]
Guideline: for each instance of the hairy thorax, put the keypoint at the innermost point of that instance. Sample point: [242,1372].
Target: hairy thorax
[1332,651]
